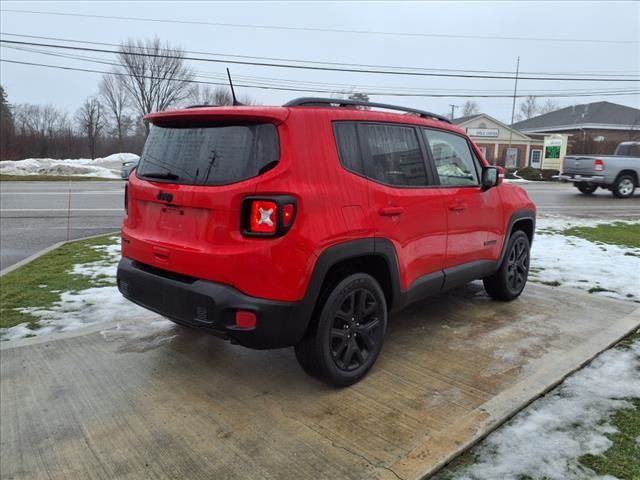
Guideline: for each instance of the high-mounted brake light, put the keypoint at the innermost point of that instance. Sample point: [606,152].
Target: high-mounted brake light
[598,165]
[126,199]
[268,216]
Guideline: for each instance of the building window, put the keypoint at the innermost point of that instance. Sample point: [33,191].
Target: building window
[536,158]
[511,157]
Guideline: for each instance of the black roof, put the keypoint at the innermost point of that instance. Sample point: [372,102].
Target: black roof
[601,113]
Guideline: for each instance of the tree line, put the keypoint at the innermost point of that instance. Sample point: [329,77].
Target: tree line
[149,76]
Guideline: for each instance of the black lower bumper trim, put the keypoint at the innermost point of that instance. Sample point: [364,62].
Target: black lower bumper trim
[211,306]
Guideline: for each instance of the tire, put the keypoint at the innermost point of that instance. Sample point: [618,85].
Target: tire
[586,188]
[624,186]
[351,323]
[510,279]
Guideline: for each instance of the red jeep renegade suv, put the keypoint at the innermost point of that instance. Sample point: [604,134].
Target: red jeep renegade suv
[308,224]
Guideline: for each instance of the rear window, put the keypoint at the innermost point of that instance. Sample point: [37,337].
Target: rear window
[628,150]
[209,155]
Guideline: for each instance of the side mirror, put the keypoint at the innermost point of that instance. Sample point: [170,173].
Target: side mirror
[490,177]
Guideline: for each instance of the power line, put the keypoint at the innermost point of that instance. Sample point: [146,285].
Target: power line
[324,30]
[270,81]
[266,87]
[316,68]
[320,62]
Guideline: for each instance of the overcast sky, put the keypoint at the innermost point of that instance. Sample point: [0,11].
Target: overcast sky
[607,20]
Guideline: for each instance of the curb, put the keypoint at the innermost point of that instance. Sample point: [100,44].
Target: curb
[50,248]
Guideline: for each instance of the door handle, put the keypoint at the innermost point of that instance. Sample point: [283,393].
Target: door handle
[391,211]
[457,207]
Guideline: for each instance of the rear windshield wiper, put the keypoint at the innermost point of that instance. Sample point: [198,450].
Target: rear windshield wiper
[161,176]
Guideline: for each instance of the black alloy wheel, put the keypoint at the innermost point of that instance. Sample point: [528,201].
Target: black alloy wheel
[508,282]
[347,331]
[356,330]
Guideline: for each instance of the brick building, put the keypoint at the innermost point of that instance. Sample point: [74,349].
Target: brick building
[494,137]
[592,128]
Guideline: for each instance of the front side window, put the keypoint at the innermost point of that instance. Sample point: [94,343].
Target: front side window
[453,159]
[393,155]
[208,155]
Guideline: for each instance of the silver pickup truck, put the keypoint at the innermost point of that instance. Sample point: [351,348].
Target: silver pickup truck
[619,172]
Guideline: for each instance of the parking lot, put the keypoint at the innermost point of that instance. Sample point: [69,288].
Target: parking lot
[127,401]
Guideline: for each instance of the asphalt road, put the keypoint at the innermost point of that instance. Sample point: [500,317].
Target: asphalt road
[33,215]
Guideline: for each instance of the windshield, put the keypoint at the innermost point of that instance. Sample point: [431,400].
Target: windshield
[209,155]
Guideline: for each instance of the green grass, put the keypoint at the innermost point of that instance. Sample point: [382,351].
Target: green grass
[52,178]
[618,233]
[622,460]
[39,283]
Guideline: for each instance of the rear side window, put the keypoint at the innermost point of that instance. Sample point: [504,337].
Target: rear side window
[454,162]
[393,155]
[347,141]
[209,155]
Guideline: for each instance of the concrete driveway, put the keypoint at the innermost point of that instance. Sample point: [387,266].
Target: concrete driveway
[130,401]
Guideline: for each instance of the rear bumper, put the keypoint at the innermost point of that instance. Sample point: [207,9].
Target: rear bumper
[577,178]
[211,306]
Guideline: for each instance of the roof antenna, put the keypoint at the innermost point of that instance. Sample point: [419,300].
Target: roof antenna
[233,93]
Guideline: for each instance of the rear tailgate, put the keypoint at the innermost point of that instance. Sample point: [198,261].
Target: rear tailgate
[184,199]
[579,165]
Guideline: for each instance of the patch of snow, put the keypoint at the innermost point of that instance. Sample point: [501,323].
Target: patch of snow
[546,439]
[107,167]
[86,307]
[579,263]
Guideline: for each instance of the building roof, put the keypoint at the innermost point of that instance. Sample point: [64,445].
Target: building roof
[469,118]
[459,120]
[601,115]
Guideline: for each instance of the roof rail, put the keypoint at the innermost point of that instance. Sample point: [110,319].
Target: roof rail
[320,102]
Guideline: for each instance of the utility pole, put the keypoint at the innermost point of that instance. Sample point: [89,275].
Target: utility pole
[513,107]
[453,107]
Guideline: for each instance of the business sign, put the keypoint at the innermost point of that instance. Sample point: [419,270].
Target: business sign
[482,132]
[555,148]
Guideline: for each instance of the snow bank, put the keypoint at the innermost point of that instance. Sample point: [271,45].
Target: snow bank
[607,270]
[546,439]
[107,167]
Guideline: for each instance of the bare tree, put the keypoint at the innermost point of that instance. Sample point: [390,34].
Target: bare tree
[548,106]
[91,120]
[528,108]
[200,94]
[470,107]
[206,95]
[155,75]
[115,98]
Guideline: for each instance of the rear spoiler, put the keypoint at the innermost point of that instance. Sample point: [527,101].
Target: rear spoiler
[274,115]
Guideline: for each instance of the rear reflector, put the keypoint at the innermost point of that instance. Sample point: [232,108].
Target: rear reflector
[245,319]
[287,214]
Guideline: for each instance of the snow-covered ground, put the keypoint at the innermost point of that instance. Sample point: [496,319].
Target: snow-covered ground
[545,440]
[107,167]
[607,270]
[95,305]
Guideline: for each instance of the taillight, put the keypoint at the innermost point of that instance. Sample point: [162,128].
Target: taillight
[264,216]
[598,165]
[268,216]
